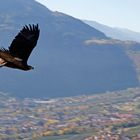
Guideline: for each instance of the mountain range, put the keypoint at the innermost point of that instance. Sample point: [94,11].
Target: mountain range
[71,57]
[115,32]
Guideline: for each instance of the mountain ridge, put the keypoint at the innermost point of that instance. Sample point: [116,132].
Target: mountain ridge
[64,64]
[115,32]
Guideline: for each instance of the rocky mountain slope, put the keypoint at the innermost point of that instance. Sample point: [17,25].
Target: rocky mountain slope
[69,58]
[115,32]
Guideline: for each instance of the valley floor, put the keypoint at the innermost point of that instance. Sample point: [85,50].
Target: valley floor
[87,117]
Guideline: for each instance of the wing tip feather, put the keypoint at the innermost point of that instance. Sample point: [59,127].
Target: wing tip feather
[31,28]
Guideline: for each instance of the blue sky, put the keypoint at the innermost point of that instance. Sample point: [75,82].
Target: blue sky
[115,13]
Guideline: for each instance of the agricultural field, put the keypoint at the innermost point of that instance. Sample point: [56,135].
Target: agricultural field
[116,113]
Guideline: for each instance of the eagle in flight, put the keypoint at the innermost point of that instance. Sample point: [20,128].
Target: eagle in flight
[20,49]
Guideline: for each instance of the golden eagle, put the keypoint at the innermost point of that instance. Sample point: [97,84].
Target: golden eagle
[20,49]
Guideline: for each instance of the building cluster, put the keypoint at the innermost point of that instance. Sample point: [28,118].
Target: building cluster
[112,136]
[34,118]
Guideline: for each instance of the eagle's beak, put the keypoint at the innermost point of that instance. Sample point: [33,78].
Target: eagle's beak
[31,68]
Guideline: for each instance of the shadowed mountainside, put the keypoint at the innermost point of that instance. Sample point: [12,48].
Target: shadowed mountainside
[65,65]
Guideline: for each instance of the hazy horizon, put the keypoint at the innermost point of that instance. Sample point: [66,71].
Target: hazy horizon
[123,14]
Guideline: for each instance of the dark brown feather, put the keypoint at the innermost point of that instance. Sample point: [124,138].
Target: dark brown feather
[23,44]
[20,49]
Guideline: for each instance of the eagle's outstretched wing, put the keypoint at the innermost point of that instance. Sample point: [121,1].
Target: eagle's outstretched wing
[23,44]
